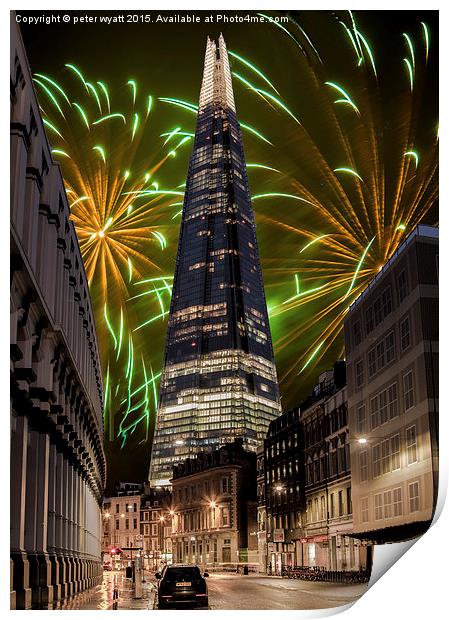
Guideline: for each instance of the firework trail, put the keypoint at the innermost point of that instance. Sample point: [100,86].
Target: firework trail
[342,172]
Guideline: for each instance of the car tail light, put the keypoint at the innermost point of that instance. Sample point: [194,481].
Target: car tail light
[166,596]
[201,595]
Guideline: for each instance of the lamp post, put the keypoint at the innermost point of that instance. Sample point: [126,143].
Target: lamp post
[279,488]
[161,536]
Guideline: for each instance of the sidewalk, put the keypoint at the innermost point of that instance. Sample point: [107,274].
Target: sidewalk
[126,599]
[115,592]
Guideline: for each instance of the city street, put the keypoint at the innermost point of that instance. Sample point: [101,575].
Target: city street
[226,591]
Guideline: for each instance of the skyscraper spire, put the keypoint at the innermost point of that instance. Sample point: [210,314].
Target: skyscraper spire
[217,83]
[219,380]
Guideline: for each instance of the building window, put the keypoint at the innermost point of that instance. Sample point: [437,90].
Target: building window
[117,524]
[359,374]
[395,456]
[369,320]
[388,506]
[402,285]
[380,355]
[383,407]
[393,400]
[389,347]
[364,509]
[361,419]
[377,311]
[332,506]
[397,502]
[378,506]
[154,530]
[413,496]
[135,524]
[117,508]
[409,394]
[372,362]
[349,500]
[385,452]
[374,413]
[309,511]
[357,331]
[405,334]
[225,517]
[412,453]
[225,485]
[387,305]
[376,461]
[340,503]
[127,524]
[363,465]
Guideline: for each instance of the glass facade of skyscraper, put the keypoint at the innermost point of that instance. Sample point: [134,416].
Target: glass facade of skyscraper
[219,380]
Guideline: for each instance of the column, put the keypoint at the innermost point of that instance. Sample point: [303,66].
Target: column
[76,529]
[36,516]
[51,542]
[65,527]
[69,523]
[59,523]
[21,596]
[46,589]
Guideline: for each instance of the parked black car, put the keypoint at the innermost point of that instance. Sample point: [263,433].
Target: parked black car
[181,584]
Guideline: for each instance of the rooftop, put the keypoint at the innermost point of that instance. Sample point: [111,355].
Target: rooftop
[422,231]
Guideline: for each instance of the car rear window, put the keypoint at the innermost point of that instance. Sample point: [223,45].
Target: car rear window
[182,574]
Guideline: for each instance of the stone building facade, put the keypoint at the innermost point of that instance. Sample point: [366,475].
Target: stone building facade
[156,516]
[391,338]
[261,510]
[215,508]
[308,483]
[58,467]
[121,526]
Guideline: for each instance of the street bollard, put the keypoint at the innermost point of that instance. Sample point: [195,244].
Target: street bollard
[138,579]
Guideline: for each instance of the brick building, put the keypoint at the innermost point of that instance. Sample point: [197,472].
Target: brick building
[215,508]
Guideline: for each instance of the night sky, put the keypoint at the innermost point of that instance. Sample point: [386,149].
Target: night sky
[307,289]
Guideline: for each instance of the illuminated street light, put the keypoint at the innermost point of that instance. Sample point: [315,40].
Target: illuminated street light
[362,440]
[279,488]
[212,504]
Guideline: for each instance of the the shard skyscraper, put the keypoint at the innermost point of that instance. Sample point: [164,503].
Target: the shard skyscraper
[219,380]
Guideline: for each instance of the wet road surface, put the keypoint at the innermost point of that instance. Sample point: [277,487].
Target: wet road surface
[226,591]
